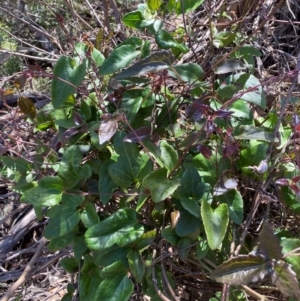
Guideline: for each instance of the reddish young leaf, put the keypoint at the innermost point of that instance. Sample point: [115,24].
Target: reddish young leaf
[222,114]
[205,151]
[296,179]
[230,149]
[138,135]
[282,182]
[296,189]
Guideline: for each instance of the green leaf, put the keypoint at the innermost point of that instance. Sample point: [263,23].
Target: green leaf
[89,216]
[133,41]
[269,244]
[83,172]
[72,156]
[61,242]
[72,200]
[88,265]
[190,205]
[79,247]
[255,96]
[119,58]
[249,132]
[183,248]
[63,219]
[154,4]
[248,50]
[118,288]
[133,19]
[84,50]
[172,6]
[120,228]
[253,154]
[224,39]
[188,73]
[42,197]
[187,6]
[190,184]
[285,279]
[131,107]
[69,264]
[72,73]
[67,297]
[230,65]
[146,49]
[51,182]
[170,236]
[215,223]
[145,167]
[156,61]
[115,269]
[146,240]
[17,164]
[89,280]
[156,26]
[232,85]
[242,270]
[187,224]
[168,155]
[136,265]
[111,255]
[106,185]
[207,168]
[143,196]
[159,185]
[289,244]
[241,109]
[235,204]
[236,85]
[166,41]
[97,57]
[202,248]
[70,169]
[130,166]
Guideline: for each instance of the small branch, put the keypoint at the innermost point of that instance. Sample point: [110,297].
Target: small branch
[186,32]
[37,58]
[254,294]
[77,15]
[247,40]
[26,272]
[154,281]
[28,44]
[282,112]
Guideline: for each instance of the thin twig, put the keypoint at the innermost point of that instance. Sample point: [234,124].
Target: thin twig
[269,178]
[30,23]
[77,15]
[185,29]
[37,58]
[254,294]
[154,281]
[247,40]
[282,112]
[26,272]
[96,16]
[28,44]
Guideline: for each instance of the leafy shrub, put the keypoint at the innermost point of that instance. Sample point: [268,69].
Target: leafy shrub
[141,164]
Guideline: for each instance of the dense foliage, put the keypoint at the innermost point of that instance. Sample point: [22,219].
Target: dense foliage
[154,162]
